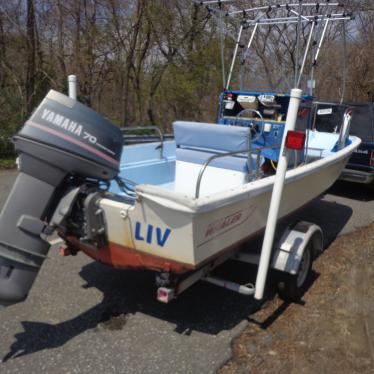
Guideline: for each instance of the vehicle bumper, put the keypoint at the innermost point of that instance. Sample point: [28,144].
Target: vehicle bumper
[357,176]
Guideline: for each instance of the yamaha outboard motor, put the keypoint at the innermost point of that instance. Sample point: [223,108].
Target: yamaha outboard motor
[63,146]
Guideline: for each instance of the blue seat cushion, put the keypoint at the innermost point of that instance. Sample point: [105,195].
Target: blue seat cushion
[211,136]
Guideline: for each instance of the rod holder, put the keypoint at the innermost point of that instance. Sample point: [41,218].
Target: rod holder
[72,83]
[276,196]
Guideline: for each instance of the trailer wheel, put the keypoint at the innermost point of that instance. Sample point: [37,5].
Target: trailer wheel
[292,286]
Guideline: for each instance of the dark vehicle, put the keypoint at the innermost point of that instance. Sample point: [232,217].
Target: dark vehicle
[328,117]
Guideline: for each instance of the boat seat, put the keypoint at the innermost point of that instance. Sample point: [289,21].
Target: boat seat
[321,144]
[196,142]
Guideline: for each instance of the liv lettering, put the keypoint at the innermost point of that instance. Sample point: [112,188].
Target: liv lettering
[150,233]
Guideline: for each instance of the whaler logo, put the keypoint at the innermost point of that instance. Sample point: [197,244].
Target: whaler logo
[62,122]
[223,223]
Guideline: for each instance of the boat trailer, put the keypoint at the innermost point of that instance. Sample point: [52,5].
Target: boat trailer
[292,258]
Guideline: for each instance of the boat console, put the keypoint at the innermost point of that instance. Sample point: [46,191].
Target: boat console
[265,113]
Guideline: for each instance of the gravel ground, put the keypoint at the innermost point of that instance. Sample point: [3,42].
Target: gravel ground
[84,317]
[330,331]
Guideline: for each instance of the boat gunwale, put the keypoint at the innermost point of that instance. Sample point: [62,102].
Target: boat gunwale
[178,201]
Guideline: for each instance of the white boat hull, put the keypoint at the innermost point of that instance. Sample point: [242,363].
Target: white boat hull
[165,230]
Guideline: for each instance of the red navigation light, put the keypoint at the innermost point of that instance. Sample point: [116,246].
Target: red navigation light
[295,140]
[372,158]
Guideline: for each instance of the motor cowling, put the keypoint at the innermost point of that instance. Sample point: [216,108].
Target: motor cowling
[63,144]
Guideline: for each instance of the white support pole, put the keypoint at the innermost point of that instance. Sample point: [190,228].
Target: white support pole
[222,49]
[234,57]
[298,36]
[251,39]
[245,56]
[209,2]
[306,54]
[249,43]
[72,81]
[321,40]
[276,6]
[276,196]
[344,63]
[299,15]
[290,21]
[314,50]
[294,19]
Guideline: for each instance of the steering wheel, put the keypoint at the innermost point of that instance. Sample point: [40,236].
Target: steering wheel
[256,130]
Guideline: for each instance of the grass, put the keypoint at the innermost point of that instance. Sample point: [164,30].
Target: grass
[7,163]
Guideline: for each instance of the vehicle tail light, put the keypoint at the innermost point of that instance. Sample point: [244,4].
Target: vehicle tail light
[295,140]
[372,158]
[165,294]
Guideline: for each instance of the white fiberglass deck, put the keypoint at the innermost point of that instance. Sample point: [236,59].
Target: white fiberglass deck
[194,144]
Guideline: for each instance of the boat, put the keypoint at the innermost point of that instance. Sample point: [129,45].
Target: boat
[181,221]
[178,207]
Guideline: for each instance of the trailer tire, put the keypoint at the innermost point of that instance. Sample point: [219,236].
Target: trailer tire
[291,287]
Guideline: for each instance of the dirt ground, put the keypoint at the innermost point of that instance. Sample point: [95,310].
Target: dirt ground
[330,331]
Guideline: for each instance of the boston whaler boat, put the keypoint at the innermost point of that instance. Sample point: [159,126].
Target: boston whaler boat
[178,207]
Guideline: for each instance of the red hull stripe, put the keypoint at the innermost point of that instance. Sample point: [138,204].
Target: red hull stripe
[74,141]
[120,257]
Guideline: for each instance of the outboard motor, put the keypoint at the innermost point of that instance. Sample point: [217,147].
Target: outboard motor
[63,146]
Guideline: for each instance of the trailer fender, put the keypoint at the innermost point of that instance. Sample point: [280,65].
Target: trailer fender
[292,244]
